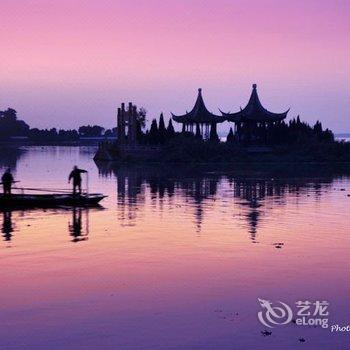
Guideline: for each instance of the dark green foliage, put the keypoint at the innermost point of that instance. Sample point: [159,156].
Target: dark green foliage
[161,127]
[170,129]
[141,117]
[297,132]
[52,135]
[91,131]
[162,133]
[68,135]
[141,124]
[158,133]
[153,138]
[10,125]
[110,132]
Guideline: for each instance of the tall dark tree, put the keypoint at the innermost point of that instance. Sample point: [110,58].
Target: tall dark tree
[153,132]
[10,125]
[140,124]
[318,130]
[141,117]
[170,129]
[161,129]
[9,115]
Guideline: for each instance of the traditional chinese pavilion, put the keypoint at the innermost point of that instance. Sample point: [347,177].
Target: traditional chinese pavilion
[253,121]
[204,121]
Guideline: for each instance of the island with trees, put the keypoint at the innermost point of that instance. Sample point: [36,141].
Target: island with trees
[256,135]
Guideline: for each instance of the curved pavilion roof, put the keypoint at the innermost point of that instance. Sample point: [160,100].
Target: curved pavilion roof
[199,114]
[254,111]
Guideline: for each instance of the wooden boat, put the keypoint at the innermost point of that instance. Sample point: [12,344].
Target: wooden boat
[50,200]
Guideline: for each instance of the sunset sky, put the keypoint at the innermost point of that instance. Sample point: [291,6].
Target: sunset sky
[71,62]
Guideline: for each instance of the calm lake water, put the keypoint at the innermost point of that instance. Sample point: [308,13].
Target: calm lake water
[175,257]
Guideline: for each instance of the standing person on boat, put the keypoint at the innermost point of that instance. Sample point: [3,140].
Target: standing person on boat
[76,176]
[7,181]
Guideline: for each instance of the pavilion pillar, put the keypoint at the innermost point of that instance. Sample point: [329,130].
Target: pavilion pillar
[198,131]
[133,124]
[213,133]
[121,124]
[129,123]
[119,127]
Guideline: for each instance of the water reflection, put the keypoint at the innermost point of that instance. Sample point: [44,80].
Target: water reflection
[250,194]
[78,222]
[10,156]
[260,195]
[75,227]
[7,226]
[188,254]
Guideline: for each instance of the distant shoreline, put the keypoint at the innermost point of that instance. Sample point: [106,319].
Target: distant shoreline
[94,141]
[85,141]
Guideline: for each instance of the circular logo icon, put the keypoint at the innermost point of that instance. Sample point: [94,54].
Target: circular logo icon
[272,315]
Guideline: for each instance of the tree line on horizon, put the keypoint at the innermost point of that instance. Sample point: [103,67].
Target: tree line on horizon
[10,126]
[294,131]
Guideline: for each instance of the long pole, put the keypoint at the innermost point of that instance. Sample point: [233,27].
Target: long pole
[1,183]
[41,189]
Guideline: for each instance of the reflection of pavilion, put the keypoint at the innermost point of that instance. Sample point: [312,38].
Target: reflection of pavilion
[200,188]
[162,182]
[254,192]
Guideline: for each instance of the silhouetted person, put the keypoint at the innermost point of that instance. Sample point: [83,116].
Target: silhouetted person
[76,176]
[7,181]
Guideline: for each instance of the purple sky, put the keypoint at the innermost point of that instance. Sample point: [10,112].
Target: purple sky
[70,62]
